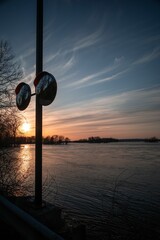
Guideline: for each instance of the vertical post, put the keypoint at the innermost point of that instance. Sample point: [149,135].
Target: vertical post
[39,68]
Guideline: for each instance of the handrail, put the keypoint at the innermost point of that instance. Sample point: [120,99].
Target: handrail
[25,224]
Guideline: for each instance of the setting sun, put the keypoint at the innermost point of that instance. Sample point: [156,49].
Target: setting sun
[25,127]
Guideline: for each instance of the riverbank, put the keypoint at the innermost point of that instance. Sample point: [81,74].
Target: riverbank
[50,216]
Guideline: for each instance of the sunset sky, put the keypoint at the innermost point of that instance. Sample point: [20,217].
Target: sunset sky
[105,56]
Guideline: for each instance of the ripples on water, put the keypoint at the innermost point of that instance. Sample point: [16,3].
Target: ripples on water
[113,188]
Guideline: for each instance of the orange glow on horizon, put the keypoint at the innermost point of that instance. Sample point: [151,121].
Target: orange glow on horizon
[84,129]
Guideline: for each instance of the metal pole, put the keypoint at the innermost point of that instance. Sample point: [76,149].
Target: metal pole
[39,68]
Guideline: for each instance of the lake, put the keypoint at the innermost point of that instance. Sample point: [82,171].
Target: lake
[113,188]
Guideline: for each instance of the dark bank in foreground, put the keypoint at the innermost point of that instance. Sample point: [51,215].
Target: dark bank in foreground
[21,219]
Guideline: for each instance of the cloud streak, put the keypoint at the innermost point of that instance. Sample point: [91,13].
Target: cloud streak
[88,40]
[154,54]
[132,109]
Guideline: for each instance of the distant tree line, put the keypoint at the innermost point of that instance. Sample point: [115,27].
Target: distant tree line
[101,140]
[97,140]
[56,139]
[152,139]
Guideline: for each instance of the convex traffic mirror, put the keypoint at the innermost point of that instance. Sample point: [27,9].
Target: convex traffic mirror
[45,87]
[23,95]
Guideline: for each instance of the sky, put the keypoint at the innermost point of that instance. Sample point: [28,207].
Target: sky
[105,57]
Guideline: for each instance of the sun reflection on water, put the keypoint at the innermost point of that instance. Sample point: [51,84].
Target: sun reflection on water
[25,157]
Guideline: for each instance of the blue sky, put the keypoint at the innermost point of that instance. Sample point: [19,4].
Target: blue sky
[105,56]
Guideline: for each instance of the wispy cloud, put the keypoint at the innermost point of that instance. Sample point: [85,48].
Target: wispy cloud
[70,63]
[152,39]
[114,71]
[82,41]
[148,57]
[88,40]
[88,78]
[51,57]
[60,65]
[112,77]
[29,52]
[92,78]
[29,79]
[132,108]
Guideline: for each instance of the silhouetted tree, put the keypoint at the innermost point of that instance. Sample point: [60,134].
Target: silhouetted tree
[66,140]
[11,180]
[10,73]
[61,139]
[56,139]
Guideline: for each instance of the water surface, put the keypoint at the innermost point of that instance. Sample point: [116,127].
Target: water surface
[105,186]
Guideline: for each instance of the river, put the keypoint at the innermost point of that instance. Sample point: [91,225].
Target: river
[113,188]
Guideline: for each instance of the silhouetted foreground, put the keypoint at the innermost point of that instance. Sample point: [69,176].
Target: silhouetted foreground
[28,221]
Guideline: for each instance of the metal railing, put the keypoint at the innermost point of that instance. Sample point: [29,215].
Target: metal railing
[23,223]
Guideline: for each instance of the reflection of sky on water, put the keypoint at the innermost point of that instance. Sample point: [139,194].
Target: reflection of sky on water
[85,172]
[79,167]
[89,177]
